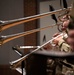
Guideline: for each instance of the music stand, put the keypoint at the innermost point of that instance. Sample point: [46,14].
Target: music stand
[22,69]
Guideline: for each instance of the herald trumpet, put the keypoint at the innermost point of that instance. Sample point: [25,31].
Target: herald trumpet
[10,23]
[5,39]
[15,63]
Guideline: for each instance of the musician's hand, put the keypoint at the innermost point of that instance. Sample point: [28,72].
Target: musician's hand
[65,17]
[56,41]
[65,21]
[65,24]
[47,46]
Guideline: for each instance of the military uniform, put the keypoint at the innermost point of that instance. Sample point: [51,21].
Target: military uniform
[66,48]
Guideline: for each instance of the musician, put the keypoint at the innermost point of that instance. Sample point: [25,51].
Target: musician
[66,43]
[61,42]
[70,39]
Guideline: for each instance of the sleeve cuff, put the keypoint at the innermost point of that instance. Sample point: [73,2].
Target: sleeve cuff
[60,42]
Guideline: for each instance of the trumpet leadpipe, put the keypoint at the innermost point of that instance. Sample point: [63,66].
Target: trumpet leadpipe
[11,23]
[5,39]
[15,63]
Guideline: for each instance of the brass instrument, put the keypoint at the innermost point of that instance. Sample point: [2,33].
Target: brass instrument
[15,63]
[4,39]
[7,24]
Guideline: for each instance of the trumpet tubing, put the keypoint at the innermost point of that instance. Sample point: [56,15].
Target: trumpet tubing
[5,39]
[11,23]
[15,63]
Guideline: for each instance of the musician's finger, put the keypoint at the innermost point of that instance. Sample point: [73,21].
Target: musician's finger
[56,34]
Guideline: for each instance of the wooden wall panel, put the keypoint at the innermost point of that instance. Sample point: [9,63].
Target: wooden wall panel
[30,8]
